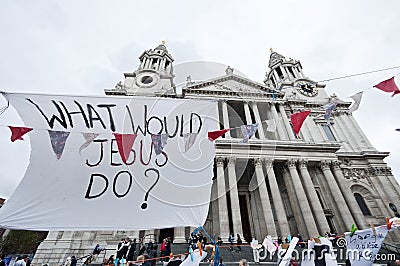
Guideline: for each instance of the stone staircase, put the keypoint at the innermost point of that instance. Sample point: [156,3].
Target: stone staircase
[58,257]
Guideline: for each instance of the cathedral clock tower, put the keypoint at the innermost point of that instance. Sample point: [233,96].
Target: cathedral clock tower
[154,77]
[287,75]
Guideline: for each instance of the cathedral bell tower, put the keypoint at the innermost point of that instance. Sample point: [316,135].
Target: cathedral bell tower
[287,75]
[154,76]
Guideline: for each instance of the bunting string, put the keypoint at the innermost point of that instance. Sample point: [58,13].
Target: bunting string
[359,74]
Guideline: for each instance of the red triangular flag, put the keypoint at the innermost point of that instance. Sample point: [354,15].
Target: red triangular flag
[213,135]
[298,119]
[125,143]
[18,132]
[388,86]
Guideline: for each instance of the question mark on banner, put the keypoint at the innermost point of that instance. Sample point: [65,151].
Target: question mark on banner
[144,204]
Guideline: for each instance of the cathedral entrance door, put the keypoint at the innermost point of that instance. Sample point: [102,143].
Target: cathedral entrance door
[245,218]
[164,233]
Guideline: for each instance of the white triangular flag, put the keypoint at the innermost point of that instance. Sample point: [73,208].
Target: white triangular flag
[363,240]
[89,137]
[357,100]
[269,245]
[189,139]
[271,125]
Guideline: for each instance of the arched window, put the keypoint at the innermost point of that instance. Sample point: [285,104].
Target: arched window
[361,202]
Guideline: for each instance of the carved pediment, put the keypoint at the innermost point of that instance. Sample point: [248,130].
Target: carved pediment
[231,83]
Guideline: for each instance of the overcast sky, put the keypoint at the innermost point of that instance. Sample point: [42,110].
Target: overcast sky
[82,47]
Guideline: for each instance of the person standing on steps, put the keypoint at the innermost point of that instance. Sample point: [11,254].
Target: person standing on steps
[239,242]
[231,239]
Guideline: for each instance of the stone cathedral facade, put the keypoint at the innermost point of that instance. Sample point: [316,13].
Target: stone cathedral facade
[324,179]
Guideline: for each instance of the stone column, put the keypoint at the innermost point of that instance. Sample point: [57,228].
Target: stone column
[315,132]
[289,129]
[179,235]
[284,73]
[294,203]
[337,194]
[383,193]
[222,205]
[247,113]
[225,118]
[278,203]
[393,181]
[349,196]
[264,195]
[365,144]
[303,202]
[279,125]
[233,191]
[163,63]
[258,120]
[313,198]
[337,130]
[158,61]
[148,63]
[354,143]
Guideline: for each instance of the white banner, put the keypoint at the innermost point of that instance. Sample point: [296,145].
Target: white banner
[120,177]
[364,245]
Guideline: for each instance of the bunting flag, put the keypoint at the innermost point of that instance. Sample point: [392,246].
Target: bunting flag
[125,143]
[298,119]
[357,100]
[58,140]
[213,135]
[271,125]
[89,137]
[363,240]
[159,141]
[195,258]
[216,255]
[328,111]
[189,139]
[18,132]
[269,245]
[248,131]
[388,86]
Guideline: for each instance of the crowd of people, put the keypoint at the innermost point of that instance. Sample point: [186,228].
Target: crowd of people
[129,250]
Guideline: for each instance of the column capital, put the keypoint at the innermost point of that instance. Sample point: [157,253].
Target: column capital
[303,163]
[220,161]
[336,164]
[268,163]
[325,164]
[291,163]
[257,162]
[231,161]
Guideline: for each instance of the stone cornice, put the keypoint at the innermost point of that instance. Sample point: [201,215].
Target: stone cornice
[264,95]
[276,145]
[364,155]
